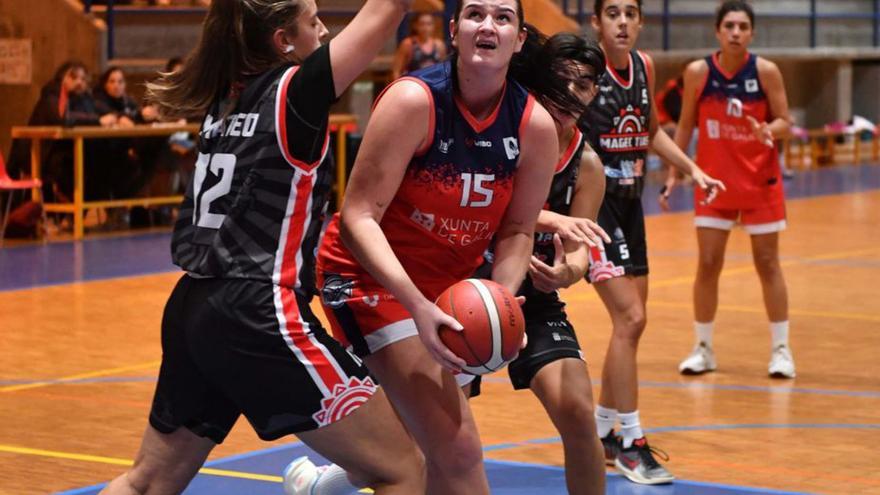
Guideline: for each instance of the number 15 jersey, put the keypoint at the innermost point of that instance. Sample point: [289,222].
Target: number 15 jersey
[454,192]
[255,205]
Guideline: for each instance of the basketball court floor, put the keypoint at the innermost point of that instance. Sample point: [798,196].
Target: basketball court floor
[79,353]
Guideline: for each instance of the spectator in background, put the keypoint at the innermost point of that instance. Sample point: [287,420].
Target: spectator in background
[420,49]
[669,104]
[111,98]
[116,171]
[65,101]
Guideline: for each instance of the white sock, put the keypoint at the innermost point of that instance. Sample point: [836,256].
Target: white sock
[779,333]
[334,481]
[630,428]
[704,332]
[605,419]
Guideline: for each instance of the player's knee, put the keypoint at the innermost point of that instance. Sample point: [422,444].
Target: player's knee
[767,264]
[632,324]
[710,264]
[575,420]
[457,456]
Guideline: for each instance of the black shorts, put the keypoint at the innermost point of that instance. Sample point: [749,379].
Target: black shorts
[232,347]
[551,338]
[627,254]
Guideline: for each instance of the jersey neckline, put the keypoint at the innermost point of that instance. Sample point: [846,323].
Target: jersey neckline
[730,75]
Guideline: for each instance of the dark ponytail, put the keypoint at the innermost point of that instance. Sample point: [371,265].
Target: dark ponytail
[236,41]
[545,67]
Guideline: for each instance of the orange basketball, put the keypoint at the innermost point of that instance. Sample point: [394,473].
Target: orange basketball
[493,324]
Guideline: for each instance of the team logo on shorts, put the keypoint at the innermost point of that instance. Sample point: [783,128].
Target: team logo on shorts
[344,400]
[336,290]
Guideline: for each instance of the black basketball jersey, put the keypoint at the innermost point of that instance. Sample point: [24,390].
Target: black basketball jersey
[559,200]
[255,206]
[617,126]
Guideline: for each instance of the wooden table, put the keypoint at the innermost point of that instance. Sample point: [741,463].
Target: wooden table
[340,123]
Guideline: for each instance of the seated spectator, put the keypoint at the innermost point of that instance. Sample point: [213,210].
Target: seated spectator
[421,49]
[65,100]
[111,98]
[116,172]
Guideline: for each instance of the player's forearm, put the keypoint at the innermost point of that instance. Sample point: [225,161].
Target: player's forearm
[548,221]
[577,262]
[672,154]
[512,254]
[780,127]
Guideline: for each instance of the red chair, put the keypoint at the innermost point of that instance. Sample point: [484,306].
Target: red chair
[11,185]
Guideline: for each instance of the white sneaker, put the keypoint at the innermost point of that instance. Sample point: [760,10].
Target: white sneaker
[781,363]
[701,360]
[301,476]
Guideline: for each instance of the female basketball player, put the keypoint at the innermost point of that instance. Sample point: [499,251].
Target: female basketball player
[622,125]
[237,335]
[577,186]
[552,363]
[420,49]
[738,101]
[452,157]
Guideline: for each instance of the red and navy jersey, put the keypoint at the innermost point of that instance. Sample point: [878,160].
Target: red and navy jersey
[727,149]
[617,126]
[454,192]
[256,202]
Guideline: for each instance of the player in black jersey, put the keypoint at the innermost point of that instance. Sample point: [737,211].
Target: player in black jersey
[552,364]
[238,336]
[621,126]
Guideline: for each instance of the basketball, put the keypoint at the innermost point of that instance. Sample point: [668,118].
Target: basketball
[493,324]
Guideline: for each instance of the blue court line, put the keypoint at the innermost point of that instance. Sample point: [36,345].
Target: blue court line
[759,388]
[59,263]
[741,388]
[674,429]
[270,455]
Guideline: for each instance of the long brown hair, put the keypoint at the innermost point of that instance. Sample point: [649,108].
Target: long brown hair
[236,41]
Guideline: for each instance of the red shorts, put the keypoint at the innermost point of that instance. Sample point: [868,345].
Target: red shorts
[767,219]
[363,315]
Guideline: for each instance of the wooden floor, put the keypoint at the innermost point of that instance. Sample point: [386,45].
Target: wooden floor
[818,433]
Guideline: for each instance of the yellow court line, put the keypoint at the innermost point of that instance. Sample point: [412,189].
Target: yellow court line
[761,310]
[670,282]
[127,462]
[91,374]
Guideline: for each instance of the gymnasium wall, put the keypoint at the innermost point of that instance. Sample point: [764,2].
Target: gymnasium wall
[59,31]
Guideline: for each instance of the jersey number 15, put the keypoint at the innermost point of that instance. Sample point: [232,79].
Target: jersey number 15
[473,193]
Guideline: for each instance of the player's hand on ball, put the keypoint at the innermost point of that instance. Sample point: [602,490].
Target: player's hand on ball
[428,321]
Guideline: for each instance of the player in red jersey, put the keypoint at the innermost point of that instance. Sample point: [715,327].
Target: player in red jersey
[454,155]
[552,364]
[738,101]
[238,337]
[621,125]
